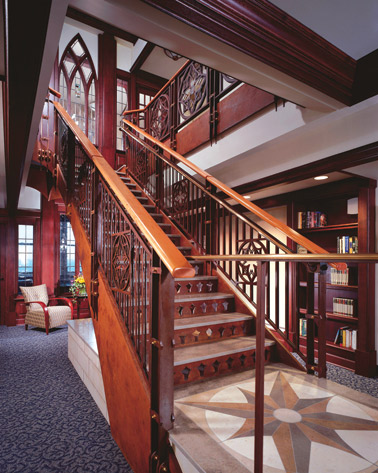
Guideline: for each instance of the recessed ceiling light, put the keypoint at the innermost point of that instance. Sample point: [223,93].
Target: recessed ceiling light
[246,196]
[320,178]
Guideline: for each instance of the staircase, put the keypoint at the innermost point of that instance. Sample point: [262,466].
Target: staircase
[213,333]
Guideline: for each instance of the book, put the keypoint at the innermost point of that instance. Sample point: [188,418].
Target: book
[311,219]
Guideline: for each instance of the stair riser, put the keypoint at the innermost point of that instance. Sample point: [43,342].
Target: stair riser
[213,367]
[199,268]
[209,333]
[196,287]
[203,307]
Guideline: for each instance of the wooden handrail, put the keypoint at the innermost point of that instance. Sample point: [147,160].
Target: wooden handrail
[302,258]
[265,216]
[173,259]
[140,110]
[55,92]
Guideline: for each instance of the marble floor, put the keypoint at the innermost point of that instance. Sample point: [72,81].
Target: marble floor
[311,425]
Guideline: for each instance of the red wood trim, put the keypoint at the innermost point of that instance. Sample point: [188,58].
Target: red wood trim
[141,59]
[338,162]
[100,25]
[261,30]
[366,80]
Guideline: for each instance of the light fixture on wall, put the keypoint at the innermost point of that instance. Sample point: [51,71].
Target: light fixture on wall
[320,178]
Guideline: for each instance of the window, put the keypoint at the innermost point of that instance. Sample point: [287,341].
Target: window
[122,105]
[77,79]
[25,255]
[67,252]
[144,98]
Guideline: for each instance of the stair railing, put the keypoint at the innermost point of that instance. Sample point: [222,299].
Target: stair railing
[262,262]
[192,90]
[191,197]
[134,256]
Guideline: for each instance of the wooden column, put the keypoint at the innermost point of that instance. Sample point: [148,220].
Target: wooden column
[107,48]
[48,259]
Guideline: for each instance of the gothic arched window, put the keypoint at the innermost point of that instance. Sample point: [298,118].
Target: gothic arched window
[77,84]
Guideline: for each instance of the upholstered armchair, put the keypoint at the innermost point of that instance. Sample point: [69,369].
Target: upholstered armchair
[38,311]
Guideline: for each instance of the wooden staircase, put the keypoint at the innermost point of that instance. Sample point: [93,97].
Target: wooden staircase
[213,331]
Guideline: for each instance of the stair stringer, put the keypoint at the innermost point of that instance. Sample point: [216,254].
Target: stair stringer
[282,354]
[126,389]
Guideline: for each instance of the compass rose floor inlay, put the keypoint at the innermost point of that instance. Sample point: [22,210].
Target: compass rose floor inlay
[308,429]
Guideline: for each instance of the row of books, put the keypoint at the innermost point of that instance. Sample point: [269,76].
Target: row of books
[344,306]
[312,219]
[347,244]
[302,327]
[346,337]
[340,277]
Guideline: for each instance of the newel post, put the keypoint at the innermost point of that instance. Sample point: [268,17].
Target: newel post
[162,341]
[259,366]
[211,230]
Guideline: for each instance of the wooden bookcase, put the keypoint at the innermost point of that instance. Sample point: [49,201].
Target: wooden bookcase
[332,199]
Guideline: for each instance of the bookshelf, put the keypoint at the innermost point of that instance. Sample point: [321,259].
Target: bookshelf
[331,201]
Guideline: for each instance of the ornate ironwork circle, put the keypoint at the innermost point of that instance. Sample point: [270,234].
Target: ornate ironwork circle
[159,121]
[121,261]
[180,196]
[192,90]
[247,270]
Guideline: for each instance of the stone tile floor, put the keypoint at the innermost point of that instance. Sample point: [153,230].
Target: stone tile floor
[311,425]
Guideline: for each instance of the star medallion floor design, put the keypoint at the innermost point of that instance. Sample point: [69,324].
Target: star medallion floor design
[307,429]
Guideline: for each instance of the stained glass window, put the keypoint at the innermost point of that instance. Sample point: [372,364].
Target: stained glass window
[77,84]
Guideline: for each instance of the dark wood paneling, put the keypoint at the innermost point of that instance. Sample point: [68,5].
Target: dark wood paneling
[21,93]
[83,17]
[195,135]
[48,248]
[3,250]
[263,31]
[366,81]
[107,96]
[241,104]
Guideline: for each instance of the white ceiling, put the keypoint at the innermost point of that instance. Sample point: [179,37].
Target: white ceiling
[350,25]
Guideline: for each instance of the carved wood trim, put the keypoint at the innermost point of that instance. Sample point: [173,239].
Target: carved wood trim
[263,31]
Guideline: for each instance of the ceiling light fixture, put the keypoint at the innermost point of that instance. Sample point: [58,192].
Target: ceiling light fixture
[320,178]
[247,196]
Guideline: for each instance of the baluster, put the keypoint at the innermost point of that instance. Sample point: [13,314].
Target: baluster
[162,336]
[95,194]
[322,343]
[310,337]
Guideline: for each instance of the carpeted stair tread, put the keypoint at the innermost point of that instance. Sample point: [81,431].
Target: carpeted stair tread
[206,320]
[203,296]
[207,351]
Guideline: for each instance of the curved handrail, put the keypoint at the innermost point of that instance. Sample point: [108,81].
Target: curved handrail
[141,110]
[265,216]
[173,259]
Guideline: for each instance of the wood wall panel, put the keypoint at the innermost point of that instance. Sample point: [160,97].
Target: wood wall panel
[240,104]
[126,390]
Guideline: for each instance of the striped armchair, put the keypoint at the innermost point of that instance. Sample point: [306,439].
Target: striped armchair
[39,313]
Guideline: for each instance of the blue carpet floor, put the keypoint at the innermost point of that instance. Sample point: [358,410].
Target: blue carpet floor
[48,420]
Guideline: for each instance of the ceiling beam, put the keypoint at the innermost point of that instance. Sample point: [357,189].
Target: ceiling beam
[141,59]
[30,27]
[88,20]
[338,162]
[262,31]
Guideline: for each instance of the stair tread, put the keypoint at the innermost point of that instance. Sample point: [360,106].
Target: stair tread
[203,295]
[186,355]
[215,319]
[198,278]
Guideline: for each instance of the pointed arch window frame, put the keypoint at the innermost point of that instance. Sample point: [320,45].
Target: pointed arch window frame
[69,78]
